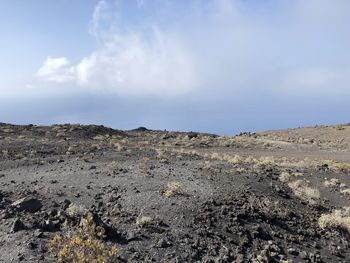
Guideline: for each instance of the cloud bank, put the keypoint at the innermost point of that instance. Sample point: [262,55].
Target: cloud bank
[213,48]
[128,63]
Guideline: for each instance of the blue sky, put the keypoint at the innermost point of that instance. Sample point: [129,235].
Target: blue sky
[220,66]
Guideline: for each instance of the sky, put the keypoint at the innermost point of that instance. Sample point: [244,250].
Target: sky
[218,66]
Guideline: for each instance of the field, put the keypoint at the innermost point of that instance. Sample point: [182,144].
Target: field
[159,196]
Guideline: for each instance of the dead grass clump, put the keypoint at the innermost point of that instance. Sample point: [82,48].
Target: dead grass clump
[75,210]
[86,158]
[173,188]
[336,166]
[241,170]
[215,156]
[339,218]
[145,164]
[56,128]
[333,182]
[60,134]
[298,174]
[7,129]
[114,165]
[100,137]
[193,153]
[83,245]
[284,177]
[19,156]
[341,167]
[95,147]
[207,165]
[266,163]
[143,221]
[75,127]
[71,149]
[235,160]
[142,144]
[119,147]
[339,127]
[164,160]
[206,140]
[5,153]
[162,155]
[308,194]
[345,191]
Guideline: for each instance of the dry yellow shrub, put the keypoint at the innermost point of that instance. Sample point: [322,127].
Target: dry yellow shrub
[83,246]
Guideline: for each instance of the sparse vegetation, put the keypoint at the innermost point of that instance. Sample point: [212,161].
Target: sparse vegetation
[269,162]
[7,129]
[308,194]
[333,182]
[345,191]
[99,137]
[339,127]
[114,165]
[142,221]
[19,156]
[75,210]
[339,218]
[173,188]
[84,245]
[284,177]
[95,147]
[145,164]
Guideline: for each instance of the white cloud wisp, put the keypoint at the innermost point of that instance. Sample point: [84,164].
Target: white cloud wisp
[218,46]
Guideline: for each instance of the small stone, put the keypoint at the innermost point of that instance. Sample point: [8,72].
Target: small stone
[65,204]
[131,236]
[38,233]
[53,212]
[303,255]
[48,225]
[32,245]
[293,251]
[162,243]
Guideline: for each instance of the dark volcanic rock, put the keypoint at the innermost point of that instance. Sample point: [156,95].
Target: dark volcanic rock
[17,226]
[28,204]
[142,129]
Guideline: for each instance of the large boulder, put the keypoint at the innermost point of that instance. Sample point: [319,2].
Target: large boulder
[28,204]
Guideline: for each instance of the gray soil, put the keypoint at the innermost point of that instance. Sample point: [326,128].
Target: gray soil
[221,211]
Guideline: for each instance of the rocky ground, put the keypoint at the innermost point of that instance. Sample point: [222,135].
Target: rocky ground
[277,196]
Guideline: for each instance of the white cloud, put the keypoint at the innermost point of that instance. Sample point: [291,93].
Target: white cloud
[56,70]
[130,63]
[100,17]
[218,47]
